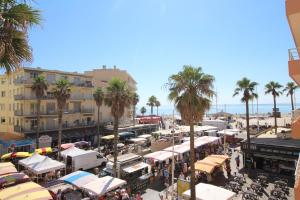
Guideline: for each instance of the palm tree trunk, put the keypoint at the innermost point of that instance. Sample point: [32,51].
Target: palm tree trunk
[292,101]
[38,122]
[192,162]
[248,127]
[116,126]
[275,114]
[151,110]
[60,113]
[98,129]
[133,115]
[157,110]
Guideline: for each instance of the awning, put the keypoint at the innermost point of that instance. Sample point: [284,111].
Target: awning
[135,167]
[205,166]
[108,137]
[47,165]
[35,158]
[14,178]
[79,178]
[44,150]
[7,168]
[210,192]
[138,140]
[160,155]
[146,136]
[28,191]
[103,185]
[15,155]
[220,159]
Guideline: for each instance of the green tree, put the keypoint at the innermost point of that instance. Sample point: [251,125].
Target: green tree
[15,19]
[191,91]
[273,88]
[247,89]
[143,110]
[135,100]
[39,86]
[117,97]
[290,91]
[61,93]
[151,103]
[157,104]
[98,97]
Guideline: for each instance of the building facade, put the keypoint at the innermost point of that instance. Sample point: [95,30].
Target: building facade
[100,78]
[18,103]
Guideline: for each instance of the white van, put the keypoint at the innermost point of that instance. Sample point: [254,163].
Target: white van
[86,160]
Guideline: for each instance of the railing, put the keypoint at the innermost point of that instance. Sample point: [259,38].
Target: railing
[81,97]
[87,110]
[22,129]
[82,83]
[31,97]
[23,80]
[293,54]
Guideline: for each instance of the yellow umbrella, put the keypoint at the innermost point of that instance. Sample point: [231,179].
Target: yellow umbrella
[44,150]
[15,155]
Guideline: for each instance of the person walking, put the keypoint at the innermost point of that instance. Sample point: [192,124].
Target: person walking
[237,160]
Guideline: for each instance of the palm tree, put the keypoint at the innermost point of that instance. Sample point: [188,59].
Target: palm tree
[98,97]
[39,86]
[273,88]
[290,91]
[247,89]
[15,19]
[191,91]
[135,100]
[62,93]
[143,110]
[151,103]
[157,104]
[117,97]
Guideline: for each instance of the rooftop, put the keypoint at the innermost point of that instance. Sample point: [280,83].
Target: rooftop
[55,71]
[279,142]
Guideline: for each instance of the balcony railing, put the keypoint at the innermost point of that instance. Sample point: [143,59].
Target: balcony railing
[32,97]
[81,97]
[22,129]
[293,54]
[23,80]
[82,83]
[87,110]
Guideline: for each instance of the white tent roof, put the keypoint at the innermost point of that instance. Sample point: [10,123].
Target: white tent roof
[160,155]
[47,165]
[103,185]
[145,136]
[230,132]
[138,140]
[35,158]
[135,167]
[72,151]
[210,192]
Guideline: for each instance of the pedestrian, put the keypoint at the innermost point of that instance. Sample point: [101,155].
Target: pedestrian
[181,176]
[237,160]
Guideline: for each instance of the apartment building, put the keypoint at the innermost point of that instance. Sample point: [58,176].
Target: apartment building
[293,16]
[100,78]
[18,103]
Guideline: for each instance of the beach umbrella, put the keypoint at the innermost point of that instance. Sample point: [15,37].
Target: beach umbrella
[15,155]
[44,150]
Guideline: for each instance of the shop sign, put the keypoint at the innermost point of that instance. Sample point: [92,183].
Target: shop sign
[45,141]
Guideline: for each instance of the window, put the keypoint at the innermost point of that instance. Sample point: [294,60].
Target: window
[2,107]
[51,78]
[33,74]
[2,120]
[2,93]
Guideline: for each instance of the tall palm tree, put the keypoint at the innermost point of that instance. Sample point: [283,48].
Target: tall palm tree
[39,86]
[98,97]
[246,88]
[157,104]
[15,19]
[273,88]
[62,93]
[191,91]
[117,97]
[151,103]
[290,91]
[143,110]
[135,100]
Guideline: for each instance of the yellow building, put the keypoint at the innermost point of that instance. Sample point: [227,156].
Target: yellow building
[293,16]
[18,102]
[100,78]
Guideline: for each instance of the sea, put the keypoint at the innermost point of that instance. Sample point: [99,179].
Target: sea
[232,108]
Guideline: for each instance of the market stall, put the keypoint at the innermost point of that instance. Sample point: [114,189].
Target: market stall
[15,155]
[67,145]
[79,178]
[209,192]
[28,190]
[160,156]
[13,179]
[103,185]
[71,151]
[47,165]
[35,158]
[44,150]
[6,168]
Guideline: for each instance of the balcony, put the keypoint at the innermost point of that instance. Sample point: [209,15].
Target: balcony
[22,129]
[293,16]
[80,97]
[32,97]
[82,84]
[87,111]
[23,80]
[294,65]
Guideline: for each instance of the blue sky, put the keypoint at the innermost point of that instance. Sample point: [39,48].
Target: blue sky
[153,39]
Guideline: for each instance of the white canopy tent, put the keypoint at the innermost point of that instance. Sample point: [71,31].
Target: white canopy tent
[35,158]
[135,167]
[209,192]
[146,136]
[72,151]
[47,165]
[103,185]
[229,132]
[160,155]
[138,140]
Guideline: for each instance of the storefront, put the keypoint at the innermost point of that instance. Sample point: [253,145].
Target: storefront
[273,155]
